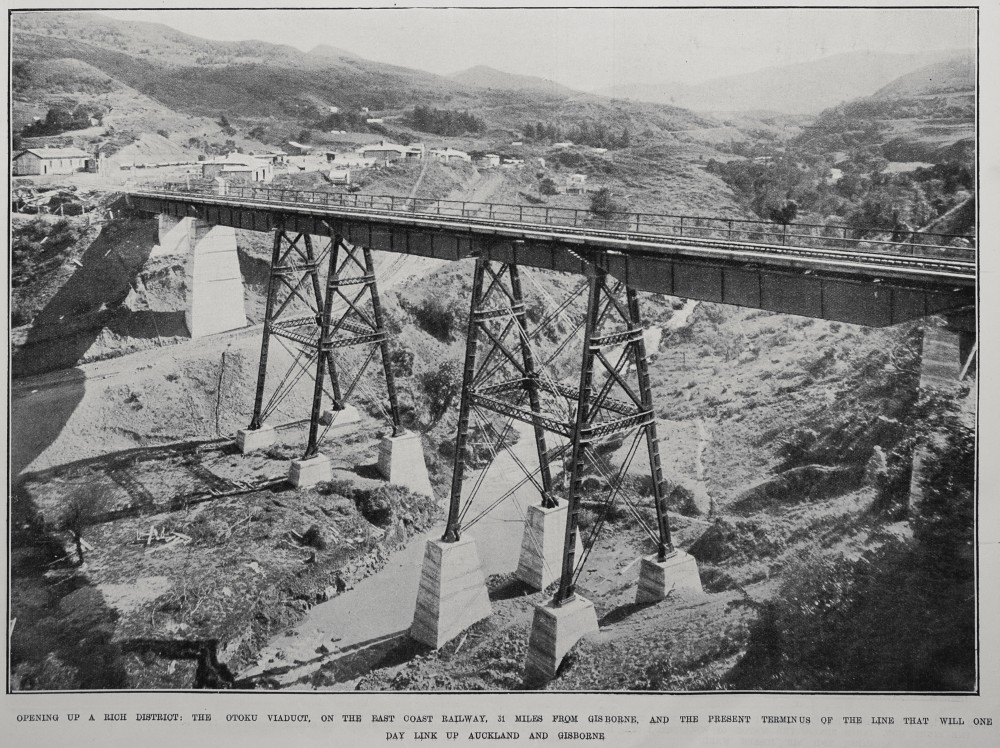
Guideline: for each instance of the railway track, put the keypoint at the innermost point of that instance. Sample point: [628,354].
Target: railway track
[945,266]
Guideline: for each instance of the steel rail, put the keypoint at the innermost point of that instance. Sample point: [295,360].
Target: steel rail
[465,208]
[624,242]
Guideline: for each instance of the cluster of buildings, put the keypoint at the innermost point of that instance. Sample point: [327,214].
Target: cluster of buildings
[260,167]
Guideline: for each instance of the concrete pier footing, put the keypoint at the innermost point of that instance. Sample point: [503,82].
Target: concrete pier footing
[305,473]
[540,563]
[554,631]
[452,594]
[249,440]
[678,573]
[401,461]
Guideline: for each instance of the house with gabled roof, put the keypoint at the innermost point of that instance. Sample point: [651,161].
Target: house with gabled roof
[39,161]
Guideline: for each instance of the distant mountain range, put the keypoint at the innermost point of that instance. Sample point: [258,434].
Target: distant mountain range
[258,80]
[801,88]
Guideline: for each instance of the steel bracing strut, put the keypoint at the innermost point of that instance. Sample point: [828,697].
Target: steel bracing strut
[298,310]
[499,380]
[613,324]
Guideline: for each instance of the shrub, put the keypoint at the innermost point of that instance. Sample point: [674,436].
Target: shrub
[437,316]
[314,538]
[604,204]
[376,505]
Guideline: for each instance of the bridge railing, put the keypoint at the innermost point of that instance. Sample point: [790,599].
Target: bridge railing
[635,225]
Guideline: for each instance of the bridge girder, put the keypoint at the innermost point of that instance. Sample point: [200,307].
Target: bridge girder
[854,292]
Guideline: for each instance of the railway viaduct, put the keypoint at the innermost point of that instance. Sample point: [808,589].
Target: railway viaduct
[323,251]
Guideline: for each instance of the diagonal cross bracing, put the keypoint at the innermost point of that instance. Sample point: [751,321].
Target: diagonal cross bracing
[315,314]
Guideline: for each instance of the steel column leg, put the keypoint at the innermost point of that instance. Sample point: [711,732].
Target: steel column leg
[323,350]
[272,290]
[548,499]
[567,591]
[453,530]
[331,366]
[390,379]
[665,546]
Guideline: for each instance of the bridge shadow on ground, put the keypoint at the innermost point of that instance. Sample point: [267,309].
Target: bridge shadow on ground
[67,328]
[63,331]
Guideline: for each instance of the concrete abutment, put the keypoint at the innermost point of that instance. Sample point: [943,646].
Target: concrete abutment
[214,281]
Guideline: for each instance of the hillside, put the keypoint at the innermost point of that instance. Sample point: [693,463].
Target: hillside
[278,86]
[483,76]
[801,88]
[953,76]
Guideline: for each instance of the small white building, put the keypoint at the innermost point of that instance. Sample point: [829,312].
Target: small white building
[386,151]
[273,157]
[563,144]
[340,176]
[489,160]
[238,167]
[50,161]
[334,109]
[449,154]
[349,160]
[576,183]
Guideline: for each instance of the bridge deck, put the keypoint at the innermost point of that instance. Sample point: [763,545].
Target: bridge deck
[862,280]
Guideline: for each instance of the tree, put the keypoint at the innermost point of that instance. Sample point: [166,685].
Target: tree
[439,387]
[604,204]
[83,508]
[226,127]
[784,214]
[305,136]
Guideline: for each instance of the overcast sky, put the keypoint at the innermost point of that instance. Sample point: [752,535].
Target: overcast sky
[588,49]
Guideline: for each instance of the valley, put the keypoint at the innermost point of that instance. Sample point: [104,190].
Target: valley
[788,442]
